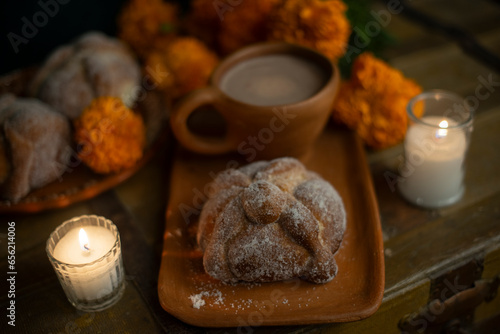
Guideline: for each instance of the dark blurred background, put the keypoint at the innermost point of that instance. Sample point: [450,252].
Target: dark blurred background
[37,27]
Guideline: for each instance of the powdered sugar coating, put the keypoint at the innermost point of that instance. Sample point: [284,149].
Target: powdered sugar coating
[325,204]
[197,300]
[271,221]
[211,211]
[263,202]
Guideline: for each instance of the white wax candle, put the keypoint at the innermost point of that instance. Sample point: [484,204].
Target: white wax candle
[68,249]
[433,172]
[98,278]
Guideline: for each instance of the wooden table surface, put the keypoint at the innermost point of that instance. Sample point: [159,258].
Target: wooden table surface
[419,244]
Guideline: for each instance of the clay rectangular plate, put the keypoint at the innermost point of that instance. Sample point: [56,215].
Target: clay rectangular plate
[355,293]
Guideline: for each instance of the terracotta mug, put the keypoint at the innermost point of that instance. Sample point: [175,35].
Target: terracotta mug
[262,131]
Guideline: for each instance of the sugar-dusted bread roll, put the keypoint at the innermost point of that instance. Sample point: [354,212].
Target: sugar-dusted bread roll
[271,221]
[95,65]
[34,145]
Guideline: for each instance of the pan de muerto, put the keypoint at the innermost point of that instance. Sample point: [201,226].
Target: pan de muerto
[271,221]
[95,65]
[35,145]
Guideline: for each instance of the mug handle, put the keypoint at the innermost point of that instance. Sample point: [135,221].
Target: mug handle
[188,139]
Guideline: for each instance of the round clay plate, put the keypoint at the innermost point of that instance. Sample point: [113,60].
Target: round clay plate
[79,183]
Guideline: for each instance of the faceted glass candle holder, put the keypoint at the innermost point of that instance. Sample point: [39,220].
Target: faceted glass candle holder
[92,274]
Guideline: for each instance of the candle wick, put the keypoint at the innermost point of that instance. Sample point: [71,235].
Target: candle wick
[87,248]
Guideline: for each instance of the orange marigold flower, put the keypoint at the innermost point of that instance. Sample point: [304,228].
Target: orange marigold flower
[373,102]
[321,25]
[350,105]
[111,137]
[244,24]
[147,24]
[186,64]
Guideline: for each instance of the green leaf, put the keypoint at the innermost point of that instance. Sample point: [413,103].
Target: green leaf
[167,27]
[358,14]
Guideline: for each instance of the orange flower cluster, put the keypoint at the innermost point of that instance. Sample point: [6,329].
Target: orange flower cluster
[187,62]
[150,28]
[318,24]
[373,102]
[321,25]
[147,24]
[110,136]
[229,25]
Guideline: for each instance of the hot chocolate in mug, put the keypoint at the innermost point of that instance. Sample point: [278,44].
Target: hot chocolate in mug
[275,99]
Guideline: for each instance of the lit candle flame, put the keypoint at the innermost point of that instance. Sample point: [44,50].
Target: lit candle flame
[84,240]
[443,131]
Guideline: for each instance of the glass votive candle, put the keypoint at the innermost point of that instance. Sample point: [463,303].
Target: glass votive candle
[86,255]
[435,147]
